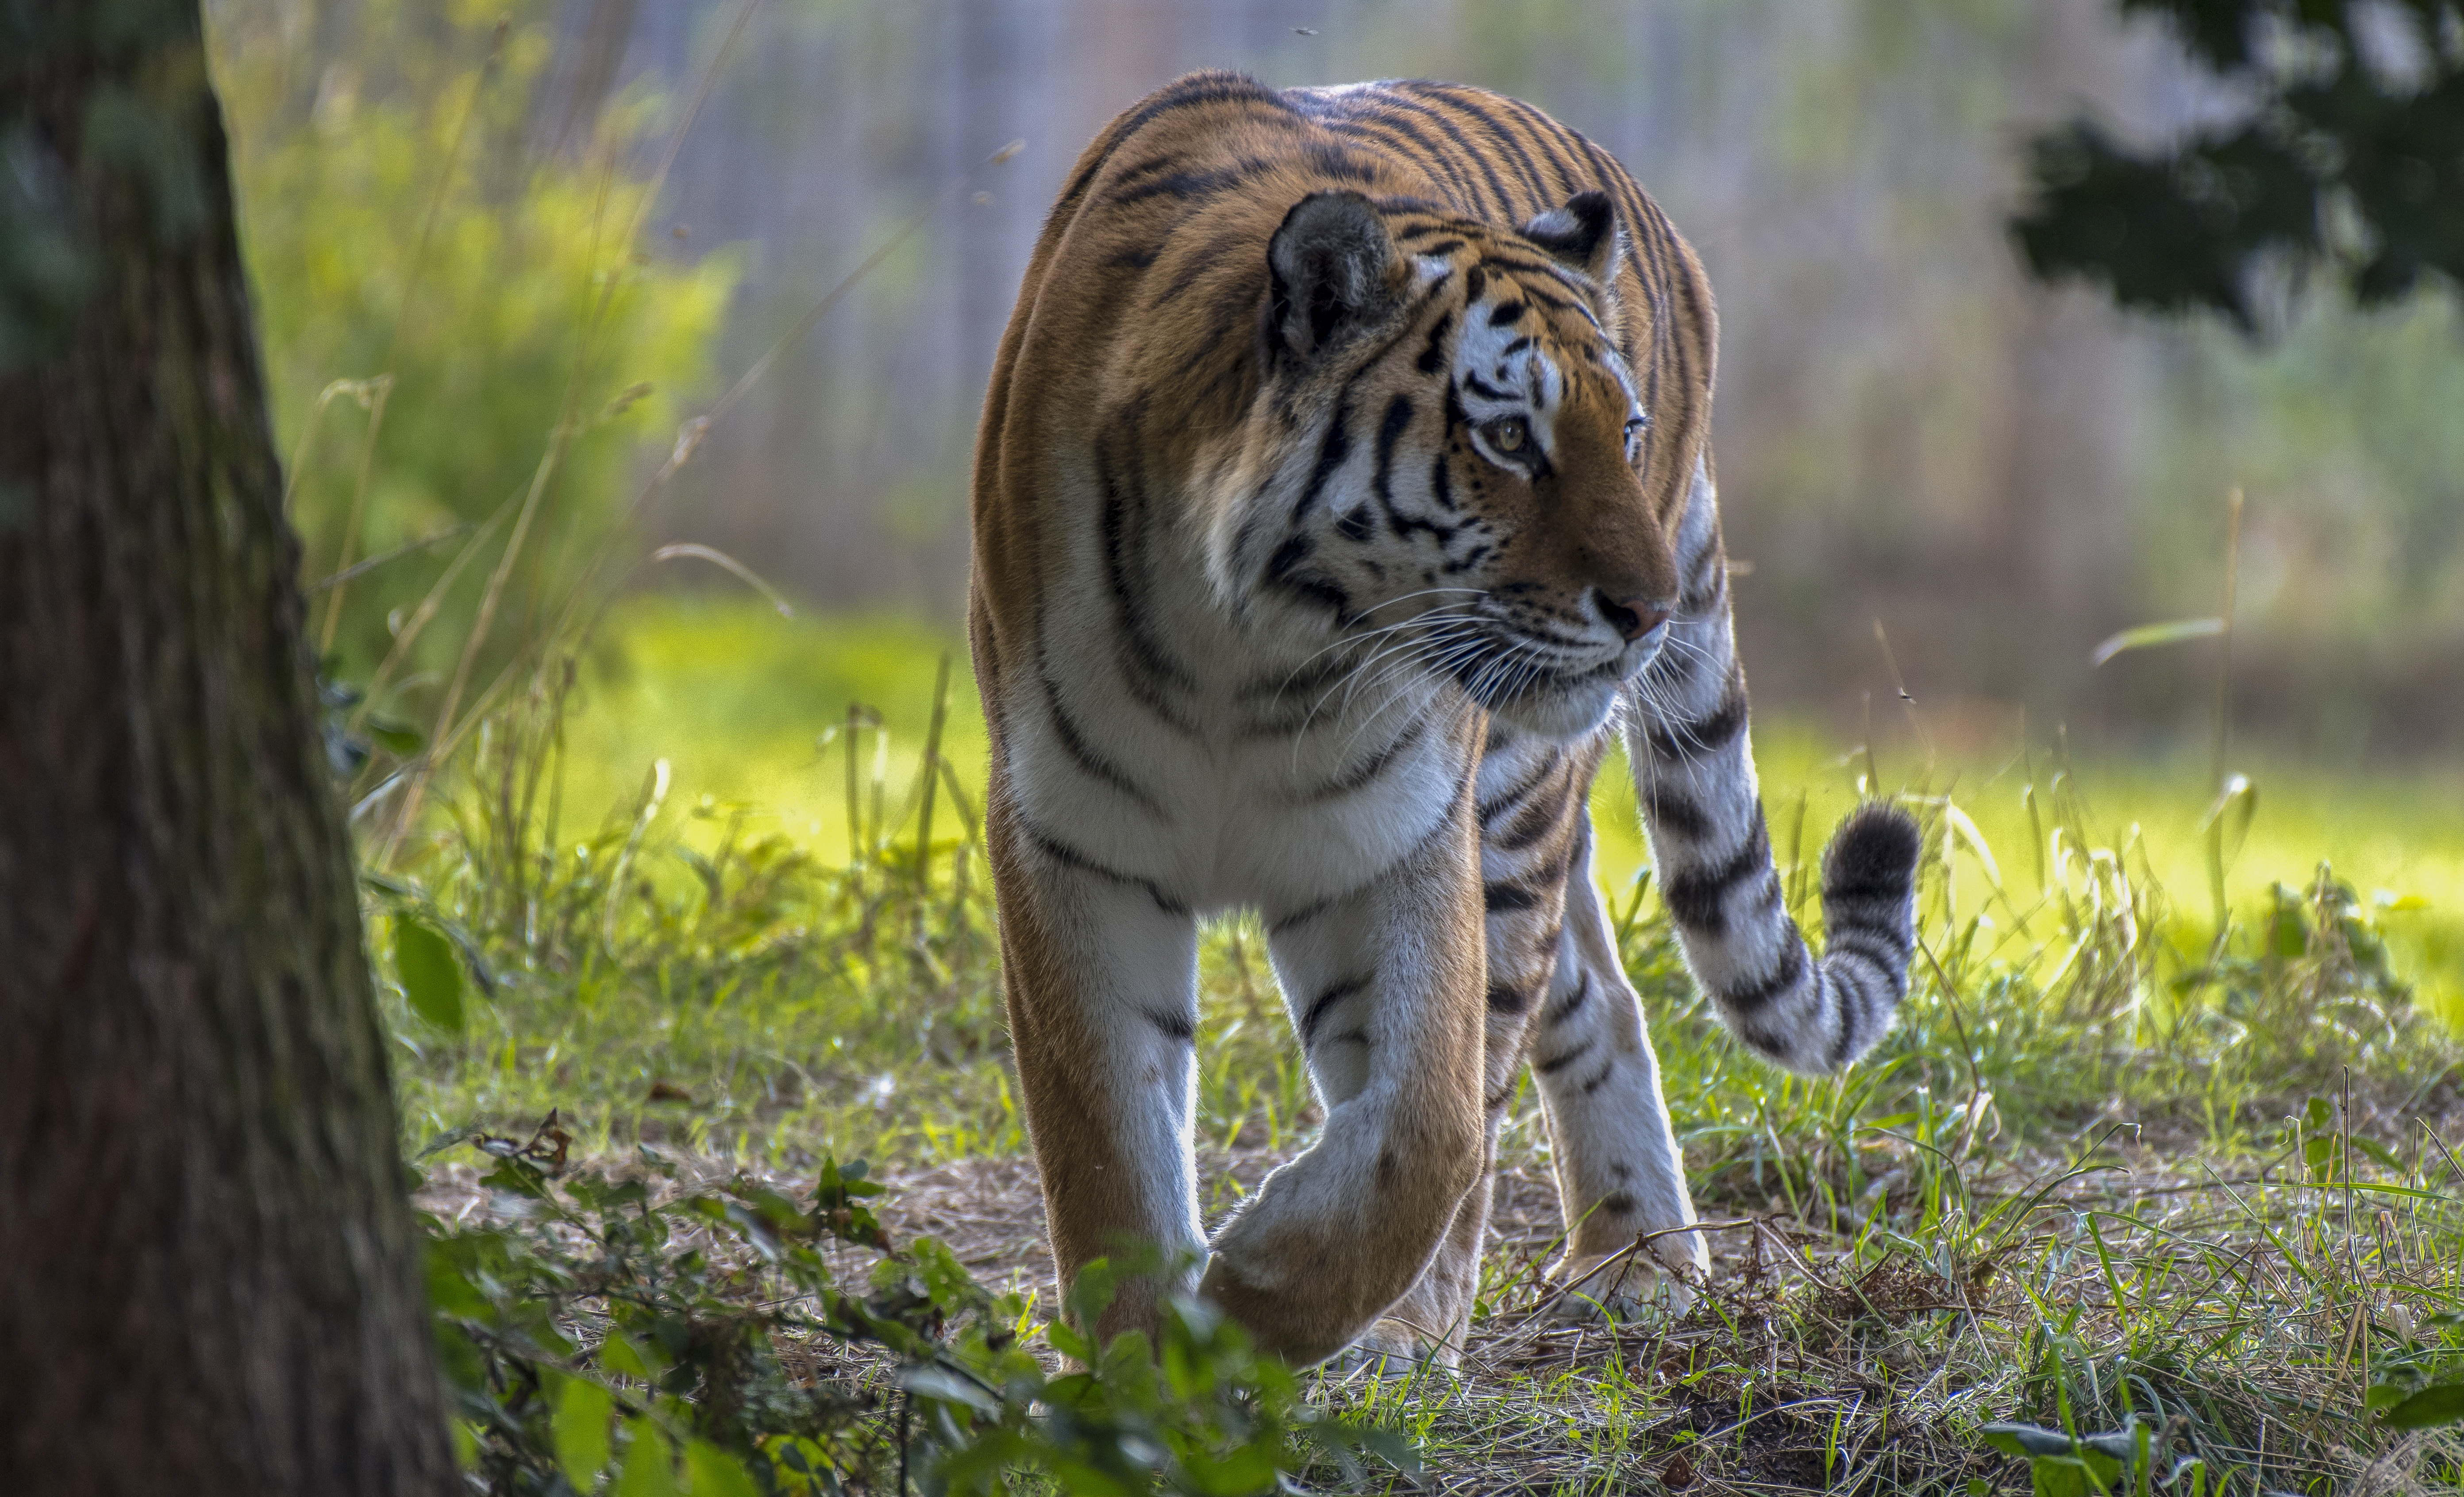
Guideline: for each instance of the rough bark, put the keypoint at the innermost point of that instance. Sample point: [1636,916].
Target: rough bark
[208,1272]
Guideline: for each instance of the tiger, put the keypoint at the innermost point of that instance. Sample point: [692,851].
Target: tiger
[1343,490]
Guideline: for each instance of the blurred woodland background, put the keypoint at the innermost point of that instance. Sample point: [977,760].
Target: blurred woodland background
[1908,429]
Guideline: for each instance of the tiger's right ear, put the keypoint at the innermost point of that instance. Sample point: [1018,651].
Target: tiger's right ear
[1327,268]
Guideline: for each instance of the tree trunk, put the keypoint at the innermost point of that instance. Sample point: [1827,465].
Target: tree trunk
[208,1272]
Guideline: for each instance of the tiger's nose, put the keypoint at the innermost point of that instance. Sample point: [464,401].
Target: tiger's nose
[1632,618]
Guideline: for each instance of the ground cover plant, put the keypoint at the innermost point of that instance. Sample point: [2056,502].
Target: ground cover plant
[2183,1193]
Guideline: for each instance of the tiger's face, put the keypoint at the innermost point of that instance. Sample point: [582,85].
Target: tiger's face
[1464,444]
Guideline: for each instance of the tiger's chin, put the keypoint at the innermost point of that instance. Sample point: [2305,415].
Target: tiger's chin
[1563,710]
[1566,706]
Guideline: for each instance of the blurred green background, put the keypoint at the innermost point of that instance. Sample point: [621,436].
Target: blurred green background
[505,255]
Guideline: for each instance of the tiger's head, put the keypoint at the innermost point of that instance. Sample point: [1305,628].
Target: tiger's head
[1447,455]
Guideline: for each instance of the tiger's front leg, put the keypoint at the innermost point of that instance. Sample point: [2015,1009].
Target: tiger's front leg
[1386,988]
[1101,981]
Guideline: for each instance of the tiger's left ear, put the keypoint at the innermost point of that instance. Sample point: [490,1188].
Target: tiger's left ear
[1581,234]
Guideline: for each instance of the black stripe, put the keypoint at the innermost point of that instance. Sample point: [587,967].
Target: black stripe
[1205,88]
[1552,303]
[1491,810]
[1537,822]
[1549,134]
[1550,270]
[1670,809]
[1500,204]
[1782,978]
[1616,1204]
[1151,166]
[1705,735]
[1390,430]
[1466,104]
[1147,668]
[1186,186]
[1844,1045]
[1602,1079]
[1132,260]
[1549,1067]
[1089,760]
[1698,577]
[1177,1026]
[1405,141]
[1318,1006]
[1696,896]
[1889,963]
[1069,857]
[1195,270]
[1504,999]
[1199,88]
[1434,355]
[1332,161]
[1281,569]
[1506,898]
[1330,454]
[1505,312]
[1573,1002]
[1376,766]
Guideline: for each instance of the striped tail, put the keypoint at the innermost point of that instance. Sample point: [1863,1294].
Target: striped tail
[1694,772]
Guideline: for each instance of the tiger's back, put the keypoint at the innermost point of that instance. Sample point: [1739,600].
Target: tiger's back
[1343,476]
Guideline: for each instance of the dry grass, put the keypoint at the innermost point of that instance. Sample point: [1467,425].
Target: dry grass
[2229,1299]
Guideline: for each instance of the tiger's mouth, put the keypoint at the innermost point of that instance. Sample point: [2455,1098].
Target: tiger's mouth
[1545,687]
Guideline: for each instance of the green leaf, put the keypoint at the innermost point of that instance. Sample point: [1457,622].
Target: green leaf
[650,1471]
[446,1140]
[394,736]
[620,1354]
[711,1472]
[581,1427]
[431,977]
[2149,636]
[2442,1403]
[933,1382]
[2025,1441]
[2381,1154]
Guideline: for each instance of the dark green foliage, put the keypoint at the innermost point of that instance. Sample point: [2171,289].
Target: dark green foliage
[2345,166]
[616,1324]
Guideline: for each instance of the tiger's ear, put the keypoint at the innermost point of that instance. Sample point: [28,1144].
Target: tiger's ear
[1327,268]
[1582,234]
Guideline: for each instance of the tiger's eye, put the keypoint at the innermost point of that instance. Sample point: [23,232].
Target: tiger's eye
[1508,434]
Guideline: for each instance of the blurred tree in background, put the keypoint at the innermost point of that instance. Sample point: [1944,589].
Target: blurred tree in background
[1911,428]
[442,207]
[2348,158]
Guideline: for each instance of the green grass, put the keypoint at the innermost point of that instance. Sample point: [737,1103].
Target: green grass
[2063,1190]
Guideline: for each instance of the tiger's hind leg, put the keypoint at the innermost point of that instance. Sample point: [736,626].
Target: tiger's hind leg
[1621,1174]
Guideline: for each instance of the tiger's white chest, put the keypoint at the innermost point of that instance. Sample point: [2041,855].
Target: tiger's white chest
[1226,763]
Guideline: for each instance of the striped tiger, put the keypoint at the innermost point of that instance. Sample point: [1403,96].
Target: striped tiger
[1343,485]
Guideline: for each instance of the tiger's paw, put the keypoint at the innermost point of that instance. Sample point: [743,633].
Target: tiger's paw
[1623,1287]
[1392,1349]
